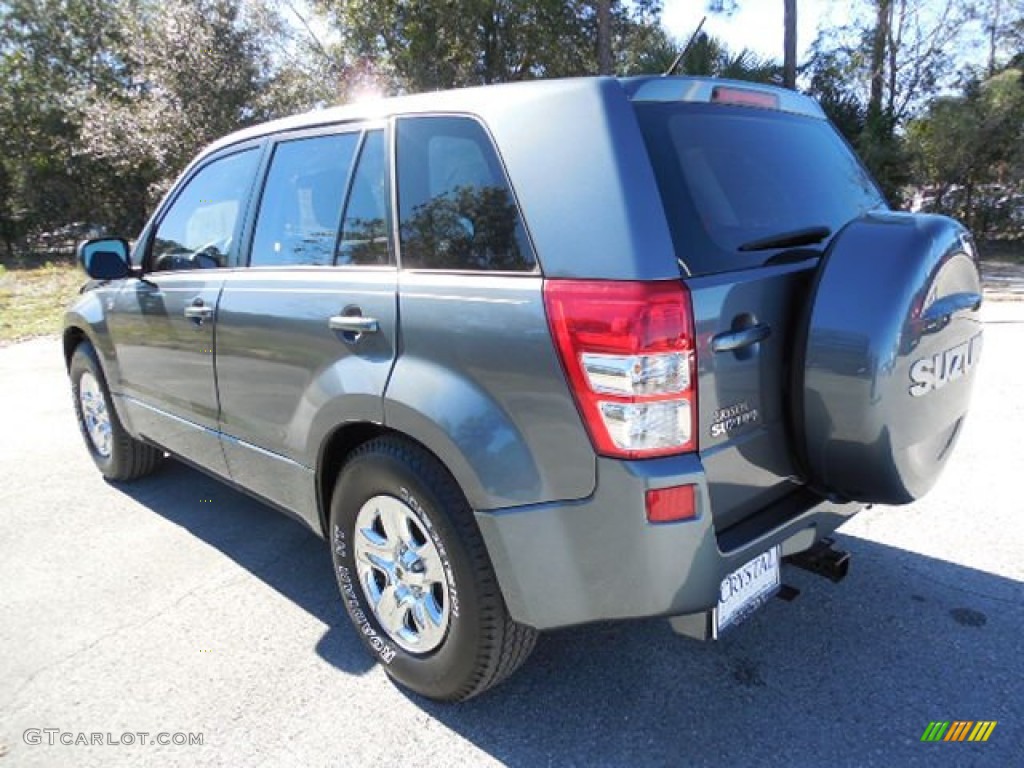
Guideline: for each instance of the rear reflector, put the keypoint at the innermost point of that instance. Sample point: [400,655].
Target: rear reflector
[745,97]
[670,505]
[628,353]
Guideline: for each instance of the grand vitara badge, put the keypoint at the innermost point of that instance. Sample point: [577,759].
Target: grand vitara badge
[936,371]
[733,417]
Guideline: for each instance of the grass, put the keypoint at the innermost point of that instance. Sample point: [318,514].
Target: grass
[33,298]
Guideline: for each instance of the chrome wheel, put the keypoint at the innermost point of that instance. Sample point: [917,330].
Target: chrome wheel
[401,574]
[95,416]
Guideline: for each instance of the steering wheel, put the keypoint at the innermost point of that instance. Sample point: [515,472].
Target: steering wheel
[210,256]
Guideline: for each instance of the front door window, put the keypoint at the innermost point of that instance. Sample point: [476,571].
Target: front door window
[199,229]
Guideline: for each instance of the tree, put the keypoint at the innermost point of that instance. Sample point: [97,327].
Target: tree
[649,51]
[198,74]
[897,54]
[102,102]
[993,28]
[789,36]
[8,224]
[830,85]
[880,46]
[789,45]
[706,56]
[51,53]
[485,41]
[880,71]
[307,69]
[1003,29]
[604,37]
[710,57]
[970,143]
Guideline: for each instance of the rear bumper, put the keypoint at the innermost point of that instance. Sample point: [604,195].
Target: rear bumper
[566,563]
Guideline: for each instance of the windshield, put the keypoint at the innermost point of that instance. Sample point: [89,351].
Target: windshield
[731,176]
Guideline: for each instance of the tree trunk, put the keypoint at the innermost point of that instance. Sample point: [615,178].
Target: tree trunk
[879,46]
[969,205]
[490,44]
[894,41]
[604,37]
[993,36]
[789,61]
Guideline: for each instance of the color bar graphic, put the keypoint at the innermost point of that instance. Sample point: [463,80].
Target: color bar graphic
[958,730]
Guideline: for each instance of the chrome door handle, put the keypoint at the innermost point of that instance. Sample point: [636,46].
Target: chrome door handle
[730,341]
[353,324]
[198,312]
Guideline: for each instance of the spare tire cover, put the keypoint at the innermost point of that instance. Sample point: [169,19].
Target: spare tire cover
[891,339]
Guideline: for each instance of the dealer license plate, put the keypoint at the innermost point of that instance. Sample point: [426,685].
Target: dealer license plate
[746,589]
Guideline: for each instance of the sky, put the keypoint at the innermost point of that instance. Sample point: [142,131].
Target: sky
[756,25]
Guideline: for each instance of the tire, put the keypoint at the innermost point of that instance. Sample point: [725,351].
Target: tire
[117,455]
[431,582]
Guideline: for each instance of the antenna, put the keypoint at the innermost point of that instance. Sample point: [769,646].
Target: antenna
[682,53]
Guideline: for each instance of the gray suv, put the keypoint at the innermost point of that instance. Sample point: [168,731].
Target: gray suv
[536,355]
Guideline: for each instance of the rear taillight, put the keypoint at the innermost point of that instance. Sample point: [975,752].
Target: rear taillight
[628,351]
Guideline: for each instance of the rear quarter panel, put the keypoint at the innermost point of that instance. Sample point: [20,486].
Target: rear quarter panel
[583,179]
[479,383]
[477,379]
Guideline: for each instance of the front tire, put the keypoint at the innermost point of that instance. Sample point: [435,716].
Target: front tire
[118,455]
[415,577]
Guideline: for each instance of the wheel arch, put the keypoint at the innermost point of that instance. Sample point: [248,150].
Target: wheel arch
[335,450]
[86,320]
[73,336]
[78,330]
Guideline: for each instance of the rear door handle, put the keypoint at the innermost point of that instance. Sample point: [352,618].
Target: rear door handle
[198,312]
[353,324]
[730,341]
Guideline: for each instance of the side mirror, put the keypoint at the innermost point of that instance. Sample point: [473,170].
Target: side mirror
[105,258]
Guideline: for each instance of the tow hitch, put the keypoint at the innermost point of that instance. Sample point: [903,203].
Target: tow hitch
[823,559]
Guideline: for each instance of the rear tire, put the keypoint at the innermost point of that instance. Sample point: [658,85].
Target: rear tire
[415,576]
[118,455]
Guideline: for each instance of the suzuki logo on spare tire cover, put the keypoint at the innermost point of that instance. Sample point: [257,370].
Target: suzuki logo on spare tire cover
[936,371]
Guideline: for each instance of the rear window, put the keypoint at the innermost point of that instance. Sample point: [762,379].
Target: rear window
[731,175]
[456,210]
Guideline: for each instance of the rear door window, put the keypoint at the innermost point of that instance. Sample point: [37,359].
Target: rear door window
[364,228]
[456,210]
[300,210]
[732,175]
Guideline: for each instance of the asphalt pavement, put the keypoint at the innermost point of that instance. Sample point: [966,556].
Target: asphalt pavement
[176,606]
